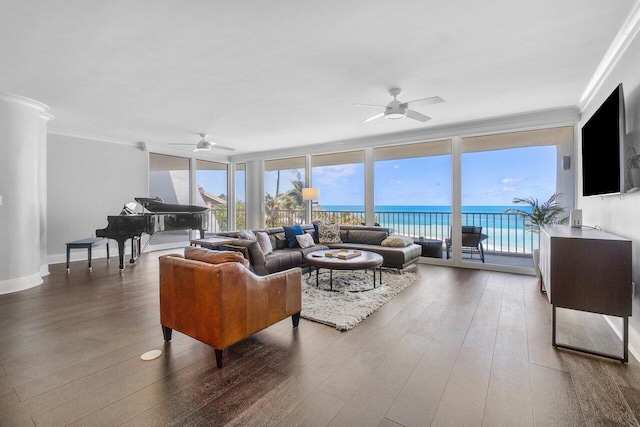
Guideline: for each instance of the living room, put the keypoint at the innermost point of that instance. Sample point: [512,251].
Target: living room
[90,158]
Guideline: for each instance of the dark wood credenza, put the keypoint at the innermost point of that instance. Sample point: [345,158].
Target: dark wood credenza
[588,270]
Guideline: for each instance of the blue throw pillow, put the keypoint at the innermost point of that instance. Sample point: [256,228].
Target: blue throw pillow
[290,232]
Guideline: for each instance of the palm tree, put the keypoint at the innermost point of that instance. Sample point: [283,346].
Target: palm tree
[295,194]
[549,212]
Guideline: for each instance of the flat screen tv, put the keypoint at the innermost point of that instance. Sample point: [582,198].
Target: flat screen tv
[603,148]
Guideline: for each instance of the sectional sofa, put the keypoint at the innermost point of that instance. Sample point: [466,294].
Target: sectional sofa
[283,257]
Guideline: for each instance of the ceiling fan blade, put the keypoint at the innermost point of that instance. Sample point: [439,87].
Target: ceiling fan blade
[222,147]
[371,118]
[180,143]
[425,101]
[370,105]
[417,116]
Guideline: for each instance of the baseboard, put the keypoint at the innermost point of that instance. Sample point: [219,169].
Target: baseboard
[20,284]
[634,336]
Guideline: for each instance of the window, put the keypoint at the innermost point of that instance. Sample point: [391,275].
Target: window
[413,189]
[211,182]
[283,183]
[495,170]
[241,194]
[340,179]
[169,180]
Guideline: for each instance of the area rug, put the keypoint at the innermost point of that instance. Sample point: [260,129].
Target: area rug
[352,299]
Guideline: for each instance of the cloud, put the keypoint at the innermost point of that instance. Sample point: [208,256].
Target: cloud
[510,180]
[330,175]
[396,166]
[509,189]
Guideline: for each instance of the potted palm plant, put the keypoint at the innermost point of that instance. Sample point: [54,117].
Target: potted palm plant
[549,212]
[634,167]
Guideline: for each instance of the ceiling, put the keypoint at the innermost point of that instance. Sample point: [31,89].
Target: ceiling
[273,75]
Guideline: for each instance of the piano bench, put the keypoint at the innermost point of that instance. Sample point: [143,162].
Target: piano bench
[86,244]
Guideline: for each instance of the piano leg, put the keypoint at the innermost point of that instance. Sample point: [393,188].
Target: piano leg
[133,250]
[121,243]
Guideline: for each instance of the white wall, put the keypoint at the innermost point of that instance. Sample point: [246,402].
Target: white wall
[618,214]
[22,187]
[87,181]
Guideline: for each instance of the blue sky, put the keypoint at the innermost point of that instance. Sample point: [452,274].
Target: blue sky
[490,178]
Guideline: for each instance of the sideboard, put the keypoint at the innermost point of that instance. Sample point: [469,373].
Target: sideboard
[588,270]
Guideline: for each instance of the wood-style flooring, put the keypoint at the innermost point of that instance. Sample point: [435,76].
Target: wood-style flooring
[458,347]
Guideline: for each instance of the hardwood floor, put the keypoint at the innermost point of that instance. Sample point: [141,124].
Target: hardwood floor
[458,347]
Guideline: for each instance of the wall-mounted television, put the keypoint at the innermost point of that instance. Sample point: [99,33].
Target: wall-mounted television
[603,148]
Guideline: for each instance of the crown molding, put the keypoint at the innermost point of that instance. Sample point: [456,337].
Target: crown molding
[514,122]
[563,116]
[617,49]
[91,137]
[17,99]
[141,145]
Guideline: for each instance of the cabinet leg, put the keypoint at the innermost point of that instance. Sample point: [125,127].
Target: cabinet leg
[625,338]
[553,326]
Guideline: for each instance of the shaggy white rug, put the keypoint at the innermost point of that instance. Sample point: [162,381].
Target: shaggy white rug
[352,299]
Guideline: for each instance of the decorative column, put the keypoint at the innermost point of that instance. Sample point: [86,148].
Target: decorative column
[23,192]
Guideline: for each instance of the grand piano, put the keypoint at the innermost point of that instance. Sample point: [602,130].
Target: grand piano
[150,216]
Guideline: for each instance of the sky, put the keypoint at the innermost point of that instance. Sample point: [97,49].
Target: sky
[489,178]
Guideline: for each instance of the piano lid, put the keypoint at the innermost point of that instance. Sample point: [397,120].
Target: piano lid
[156,205]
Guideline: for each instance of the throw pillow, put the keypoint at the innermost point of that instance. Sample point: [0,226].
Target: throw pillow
[329,233]
[214,257]
[264,242]
[305,240]
[247,235]
[316,223]
[290,232]
[395,241]
[280,241]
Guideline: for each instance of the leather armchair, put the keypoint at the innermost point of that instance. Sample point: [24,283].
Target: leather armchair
[221,304]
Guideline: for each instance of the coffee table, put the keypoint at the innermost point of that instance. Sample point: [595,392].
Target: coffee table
[364,261]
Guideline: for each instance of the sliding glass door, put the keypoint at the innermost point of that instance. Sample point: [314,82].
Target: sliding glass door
[497,171]
[340,179]
[283,183]
[211,182]
[169,179]
[412,193]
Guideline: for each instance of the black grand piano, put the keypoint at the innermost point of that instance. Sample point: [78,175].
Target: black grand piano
[149,216]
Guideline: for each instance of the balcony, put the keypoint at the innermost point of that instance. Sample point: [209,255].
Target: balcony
[508,242]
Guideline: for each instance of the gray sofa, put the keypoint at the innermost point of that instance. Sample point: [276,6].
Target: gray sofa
[352,236]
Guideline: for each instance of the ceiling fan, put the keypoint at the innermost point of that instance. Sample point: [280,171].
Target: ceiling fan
[204,144]
[399,110]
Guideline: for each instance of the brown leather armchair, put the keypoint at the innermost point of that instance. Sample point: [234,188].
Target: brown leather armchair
[221,304]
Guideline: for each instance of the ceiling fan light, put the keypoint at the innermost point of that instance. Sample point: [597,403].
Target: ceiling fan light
[203,146]
[395,116]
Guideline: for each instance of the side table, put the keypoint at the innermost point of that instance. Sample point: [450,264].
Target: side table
[431,248]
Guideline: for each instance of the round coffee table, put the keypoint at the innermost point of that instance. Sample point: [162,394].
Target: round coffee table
[364,261]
